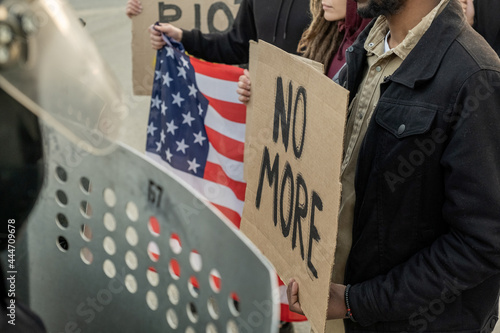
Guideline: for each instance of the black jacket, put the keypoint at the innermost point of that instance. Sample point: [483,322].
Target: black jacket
[487,21]
[426,234]
[279,22]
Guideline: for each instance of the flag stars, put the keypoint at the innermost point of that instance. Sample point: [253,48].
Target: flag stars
[151,128]
[167,79]
[187,118]
[155,102]
[168,155]
[199,138]
[157,75]
[158,146]
[182,72]
[164,108]
[170,52]
[177,99]
[192,90]
[200,110]
[181,146]
[162,136]
[171,127]
[185,63]
[193,166]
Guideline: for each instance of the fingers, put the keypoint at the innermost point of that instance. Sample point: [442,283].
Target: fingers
[134,7]
[169,30]
[157,41]
[244,88]
[293,297]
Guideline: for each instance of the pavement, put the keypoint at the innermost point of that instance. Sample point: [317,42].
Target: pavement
[111,31]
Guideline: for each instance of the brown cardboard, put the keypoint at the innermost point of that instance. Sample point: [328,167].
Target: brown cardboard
[206,15]
[314,161]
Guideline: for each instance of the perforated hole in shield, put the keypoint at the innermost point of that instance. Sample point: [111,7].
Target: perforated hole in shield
[175,243]
[174,269]
[192,312]
[62,221]
[172,319]
[154,226]
[194,286]
[86,255]
[62,244]
[61,198]
[86,232]
[232,327]
[109,197]
[131,236]
[153,277]
[109,222]
[85,185]
[211,328]
[234,304]
[131,283]
[109,268]
[61,174]
[213,308]
[132,211]
[86,209]
[153,251]
[131,260]
[195,261]
[109,245]
[215,280]
[152,300]
[173,294]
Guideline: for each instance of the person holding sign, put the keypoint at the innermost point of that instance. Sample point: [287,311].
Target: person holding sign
[420,174]
[278,22]
[336,21]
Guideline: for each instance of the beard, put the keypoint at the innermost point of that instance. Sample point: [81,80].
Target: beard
[374,8]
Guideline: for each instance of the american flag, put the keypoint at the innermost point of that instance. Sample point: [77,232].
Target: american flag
[196,129]
[196,126]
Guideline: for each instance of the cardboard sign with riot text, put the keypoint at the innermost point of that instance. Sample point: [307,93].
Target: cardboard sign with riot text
[293,151]
[207,15]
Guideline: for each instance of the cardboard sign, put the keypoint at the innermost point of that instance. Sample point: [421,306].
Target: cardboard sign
[293,153]
[207,15]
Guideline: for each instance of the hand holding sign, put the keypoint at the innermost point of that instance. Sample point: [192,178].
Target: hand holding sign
[293,151]
[336,304]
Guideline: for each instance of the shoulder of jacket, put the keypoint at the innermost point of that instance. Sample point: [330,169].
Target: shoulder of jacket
[479,51]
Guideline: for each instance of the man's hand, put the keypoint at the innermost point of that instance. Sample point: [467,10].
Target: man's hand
[336,305]
[134,7]
[244,86]
[155,32]
[292,292]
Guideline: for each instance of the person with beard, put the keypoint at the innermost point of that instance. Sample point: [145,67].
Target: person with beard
[420,174]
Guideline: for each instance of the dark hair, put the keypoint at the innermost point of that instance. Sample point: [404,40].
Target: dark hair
[322,39]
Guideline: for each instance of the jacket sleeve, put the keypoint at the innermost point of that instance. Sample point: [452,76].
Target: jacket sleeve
[469,253]
[231,47]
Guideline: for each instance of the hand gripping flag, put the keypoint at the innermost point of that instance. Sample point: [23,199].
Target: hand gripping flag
[196,129]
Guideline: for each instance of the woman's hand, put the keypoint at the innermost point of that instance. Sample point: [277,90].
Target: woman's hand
[244,87]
